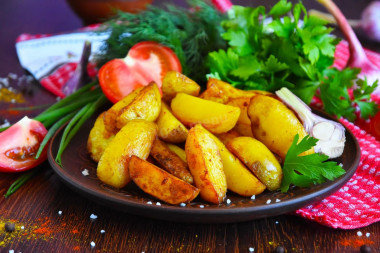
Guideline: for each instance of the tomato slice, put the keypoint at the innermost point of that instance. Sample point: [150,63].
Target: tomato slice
[146,61]
[19,145]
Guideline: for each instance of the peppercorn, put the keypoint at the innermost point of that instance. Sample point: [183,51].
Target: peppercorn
[279,249]
[365,249]
[10,227]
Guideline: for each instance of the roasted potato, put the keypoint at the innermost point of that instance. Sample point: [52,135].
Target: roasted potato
[111,114]
[243,125]
[226,137]
[170,161]
[135,138]
[159,183]
[170,129]
[221,92]
[179,151]
[206,165]
[239,179]
[146,105]
[274,124]
[175,82]
[98,139]
[215,117]
[258,158]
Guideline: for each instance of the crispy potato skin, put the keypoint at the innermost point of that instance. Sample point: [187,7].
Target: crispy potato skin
[274,124]
[179,151]
[135,138]
[98,139]
[239,179]
[175,82]
[258,158]
[159,183]
[243,125]
[170,161]
[146,105]
[110,116]
[206,165]
[170,129]
[215,117]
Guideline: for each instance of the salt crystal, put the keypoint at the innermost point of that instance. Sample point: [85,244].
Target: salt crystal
[359,233]
[201,206]
[158,204]
[251,249]
[11,251]
[93,216]
[253,197]
[102,231]
[277,200]
[85,172]
[22,227]
[228,201]
[92,244]
[59,212]
[149,202]
[182,204]
[276,222]
[367,234]
[268,201]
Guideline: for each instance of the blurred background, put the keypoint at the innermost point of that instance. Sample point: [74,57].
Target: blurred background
[55,16]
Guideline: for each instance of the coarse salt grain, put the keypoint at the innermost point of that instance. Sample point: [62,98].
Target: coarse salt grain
[201,206]
[276,222]
[182,204]
[93,216]
[102,231]
[367,234]
[228,201]
[22,227]
[277,200]
[158,204]
[11,251]
[85,172]
[92,244]
[59,212]
[251,249]
[253,197]
[359,233]
[149,202]
[268,201]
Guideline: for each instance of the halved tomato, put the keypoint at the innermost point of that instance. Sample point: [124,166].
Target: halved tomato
[146,61]
[19,145]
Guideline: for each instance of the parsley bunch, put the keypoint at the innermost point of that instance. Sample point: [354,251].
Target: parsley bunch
[268,51]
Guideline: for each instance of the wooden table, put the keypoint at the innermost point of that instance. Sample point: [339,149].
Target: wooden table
[55,219]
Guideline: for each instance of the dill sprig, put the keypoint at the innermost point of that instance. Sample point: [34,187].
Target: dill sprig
[192,33]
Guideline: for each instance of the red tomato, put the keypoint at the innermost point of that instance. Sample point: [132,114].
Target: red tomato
[19,145]
[146,61]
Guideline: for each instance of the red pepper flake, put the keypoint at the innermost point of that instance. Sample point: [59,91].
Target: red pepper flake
[76,248]
[75,231]
[356,242]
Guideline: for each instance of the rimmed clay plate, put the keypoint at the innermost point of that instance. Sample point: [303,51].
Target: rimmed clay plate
[132,200]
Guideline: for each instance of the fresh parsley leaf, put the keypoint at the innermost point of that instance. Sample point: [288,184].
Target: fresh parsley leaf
[304,171]
[280,8]
[362,97]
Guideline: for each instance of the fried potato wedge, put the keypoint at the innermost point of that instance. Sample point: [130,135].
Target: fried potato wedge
[113,112]
[160,183]
[226,137]
[135,138]
[243,125]
[258,158]
[206,165]
[274,124]
[170,129]
[170,161]
[215,117]
[146,105]
[239,179]
[175,82]
[221,92]
[179,151]
[98,139]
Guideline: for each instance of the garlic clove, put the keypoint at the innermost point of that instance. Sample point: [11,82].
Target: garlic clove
[323,130]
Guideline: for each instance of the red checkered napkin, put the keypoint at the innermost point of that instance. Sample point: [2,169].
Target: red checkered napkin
[354,205]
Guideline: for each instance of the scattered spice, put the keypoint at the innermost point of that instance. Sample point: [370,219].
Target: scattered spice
[76,248]
[10,227]
[356,242]
[75,231]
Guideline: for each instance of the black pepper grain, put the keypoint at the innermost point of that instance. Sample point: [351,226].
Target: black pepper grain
[10,227]
[279,249]
[365,249]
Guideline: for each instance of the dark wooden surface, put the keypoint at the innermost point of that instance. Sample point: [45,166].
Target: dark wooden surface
[36,205]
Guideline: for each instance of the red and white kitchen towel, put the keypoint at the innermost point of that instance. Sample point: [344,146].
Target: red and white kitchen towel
[53,59]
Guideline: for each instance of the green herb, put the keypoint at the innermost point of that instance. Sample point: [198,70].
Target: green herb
[21,181]
[192,33]
[268,51]
[304,171]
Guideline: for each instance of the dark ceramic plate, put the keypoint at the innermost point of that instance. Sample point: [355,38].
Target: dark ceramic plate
[132,200]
